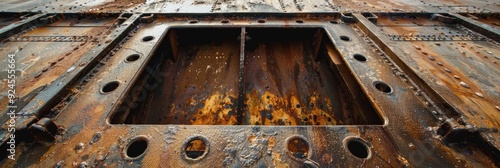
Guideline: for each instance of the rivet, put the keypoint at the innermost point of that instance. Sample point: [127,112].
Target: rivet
[432,58]
[479,94]
[447,70]
[465,85]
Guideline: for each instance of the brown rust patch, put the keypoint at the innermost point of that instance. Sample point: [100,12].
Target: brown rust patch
[201,87]
[286,84]
[215,111]
[464,67]
[40,63]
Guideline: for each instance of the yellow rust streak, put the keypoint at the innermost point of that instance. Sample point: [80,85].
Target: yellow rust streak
[215,112]
[288,111]
[277,162]
[258,103]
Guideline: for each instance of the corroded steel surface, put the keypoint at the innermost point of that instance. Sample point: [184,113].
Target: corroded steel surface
[262,83]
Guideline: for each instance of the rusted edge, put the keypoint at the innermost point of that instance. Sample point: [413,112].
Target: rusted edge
[47,97]
[479,27]
[371,30]
[19,26]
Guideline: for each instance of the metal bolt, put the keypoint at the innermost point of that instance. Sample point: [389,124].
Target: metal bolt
[479,94]
[79,146]
[465,85]
[432,58]
[447,70]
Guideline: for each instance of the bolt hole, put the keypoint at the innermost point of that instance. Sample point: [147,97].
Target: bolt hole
[261,21]
[334,22]
[358,148]
[196,148]
[383,87]
[360,57]
[192,21]
[147,38]
[224,21]
[109,87]
[299,21]
[345,38]
[132,58]
[137,147]
[298,147]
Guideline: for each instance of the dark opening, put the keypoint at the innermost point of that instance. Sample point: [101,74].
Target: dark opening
[192,21]
[298,147]
[195,77]
[137,147]
[132,58]
[195,148]
[299,21]
[334,22]
[224,21]
[147,38]
[109,87]
[383,87]
[360,57]
[261,21]
[358,148]
[345,38]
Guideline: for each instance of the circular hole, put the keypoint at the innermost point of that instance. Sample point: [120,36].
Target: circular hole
[334,22]
[224,21]
[360,57]
[192,21]
[109,87]
[345,38]
[298,147]
[196,148]
[383,87]
[136,147]
[132,58]
[358,148]
[299,21]
[261,21]
[147,38]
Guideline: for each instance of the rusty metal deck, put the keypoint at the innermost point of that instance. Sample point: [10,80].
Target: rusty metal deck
[261,83]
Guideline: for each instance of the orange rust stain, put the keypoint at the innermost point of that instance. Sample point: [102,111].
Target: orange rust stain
[271,143]
[277,162]
[286,111]
[215,112]
[196,145]
[258,103]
